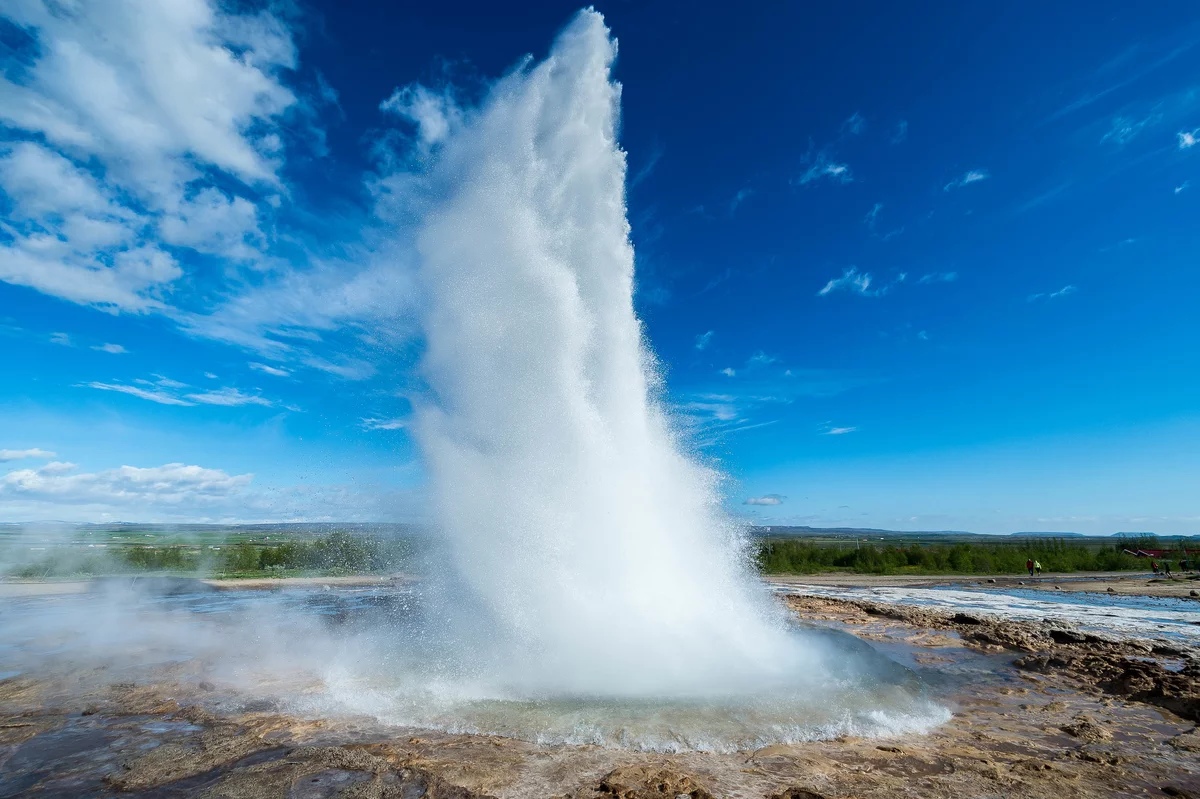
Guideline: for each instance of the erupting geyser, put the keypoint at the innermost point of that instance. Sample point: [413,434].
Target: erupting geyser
[597,547]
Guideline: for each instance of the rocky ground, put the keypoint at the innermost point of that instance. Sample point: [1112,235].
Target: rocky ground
[1053,713]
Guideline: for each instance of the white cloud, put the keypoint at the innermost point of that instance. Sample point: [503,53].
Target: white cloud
[766,499]
[729,371]
[1182,187]
[838,431]
[1124,129]
[900,133]
[821,165]
[229,397]
[1062,292]
[739,198]
[1188,138]
[138,104]
[271,370]
[210,375]
[855,125]
[111,349]
[434,114]
[20,454]
[939,277]
[171,484]
[61,338]
[967,178]
[853,281]
[215,223]
[374,423]
[161,397]
[873,216]
[703,340]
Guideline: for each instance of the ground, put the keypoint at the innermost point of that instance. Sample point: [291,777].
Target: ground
[1039,711]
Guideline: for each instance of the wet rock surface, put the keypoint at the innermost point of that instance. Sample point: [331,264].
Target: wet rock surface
[1040,712]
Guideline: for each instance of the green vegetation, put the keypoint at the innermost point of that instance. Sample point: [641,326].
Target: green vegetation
[239,555]
[1008,556]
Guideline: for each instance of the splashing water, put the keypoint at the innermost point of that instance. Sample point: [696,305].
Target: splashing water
[594,548]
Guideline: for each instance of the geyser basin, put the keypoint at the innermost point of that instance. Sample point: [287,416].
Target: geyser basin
[372,652]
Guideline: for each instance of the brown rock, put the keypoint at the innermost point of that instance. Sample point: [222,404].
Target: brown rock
[650,781]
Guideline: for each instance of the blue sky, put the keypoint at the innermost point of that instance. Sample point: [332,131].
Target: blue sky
[914,270]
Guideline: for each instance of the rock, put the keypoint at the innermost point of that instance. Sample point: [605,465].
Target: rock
[90,710]
[895,749]
[964,618]
[797,793]
[649,781]
[991,579]
[205,685]
[1110,590]
[1179,793]
[1187,741]
[1193,592]
[1085,729]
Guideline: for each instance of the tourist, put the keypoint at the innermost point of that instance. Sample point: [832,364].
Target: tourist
[1037,566]
[1166,568]
[1029,566]
[1154,567]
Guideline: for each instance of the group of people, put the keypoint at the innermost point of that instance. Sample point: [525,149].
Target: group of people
[1033,566]
[1164,569]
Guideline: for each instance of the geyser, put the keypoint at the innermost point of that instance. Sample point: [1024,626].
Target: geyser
[595,546]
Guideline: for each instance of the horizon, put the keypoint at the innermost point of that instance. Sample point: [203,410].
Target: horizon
[940,280]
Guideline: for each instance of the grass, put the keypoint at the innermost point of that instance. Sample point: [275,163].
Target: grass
[801,556]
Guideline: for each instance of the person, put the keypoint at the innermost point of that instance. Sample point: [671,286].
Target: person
[1154,567]
[1037,566]
[1167,568]
[1029,566]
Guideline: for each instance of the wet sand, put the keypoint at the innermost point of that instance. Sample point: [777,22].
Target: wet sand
[1039,712]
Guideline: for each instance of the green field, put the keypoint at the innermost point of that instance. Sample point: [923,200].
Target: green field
[76,551]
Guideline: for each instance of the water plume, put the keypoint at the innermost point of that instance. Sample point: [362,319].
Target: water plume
[577,523]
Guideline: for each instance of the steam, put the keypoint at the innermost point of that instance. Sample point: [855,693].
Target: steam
[574,519]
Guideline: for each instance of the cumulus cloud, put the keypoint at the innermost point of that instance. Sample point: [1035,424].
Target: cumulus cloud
[966,179]
[173,484]
[729,371]
[766,499]
[129,113]
[111,349]
[434,114]
[1188,138]
[7,455]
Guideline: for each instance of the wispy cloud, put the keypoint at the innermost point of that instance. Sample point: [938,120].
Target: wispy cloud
[967,178]
[822,166]
[229,397]
[838,431]
[872,217]
[900,132]
[704,339]
[1062,292]
[166,391]
[766,499]
[111,349]
[1124,129]
[1182,187]
[854,125]
[647,168]
[938,277]
[854,282]
[271,370]
[1188,138]
[739,198]
[374,423]
[62,339]
[161,397]
[7,455]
